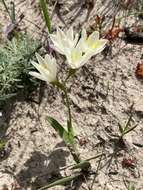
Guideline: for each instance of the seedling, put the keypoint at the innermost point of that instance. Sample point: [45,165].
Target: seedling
[126,128]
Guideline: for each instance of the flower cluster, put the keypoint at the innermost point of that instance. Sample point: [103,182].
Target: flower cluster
[76,50]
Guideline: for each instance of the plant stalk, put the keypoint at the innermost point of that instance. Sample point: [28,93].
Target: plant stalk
[72,147]
[70,128]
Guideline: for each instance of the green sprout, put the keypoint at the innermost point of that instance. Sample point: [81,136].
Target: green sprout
[126,128]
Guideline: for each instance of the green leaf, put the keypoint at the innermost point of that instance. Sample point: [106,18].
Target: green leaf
[13,18]
[70,132]
[60,181]
[82,165]
[60,130]
[45,14]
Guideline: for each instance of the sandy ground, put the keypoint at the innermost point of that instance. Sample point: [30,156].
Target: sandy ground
[102,93]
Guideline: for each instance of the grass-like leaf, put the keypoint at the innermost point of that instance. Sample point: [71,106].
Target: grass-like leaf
[82,165]
[13,17]
[70,131]
[60,130]
[45,11]
[60,181]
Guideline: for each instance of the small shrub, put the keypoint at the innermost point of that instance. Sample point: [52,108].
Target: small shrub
[15,65]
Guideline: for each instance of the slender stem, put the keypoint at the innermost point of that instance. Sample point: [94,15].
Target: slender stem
[64,89]
[70,129]
[70,73]
[75,154]
[72,146]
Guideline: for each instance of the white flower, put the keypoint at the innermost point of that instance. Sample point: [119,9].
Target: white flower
[47,68]
[64,41]
[77,52]
[92,43]
[85,49]
[77,58]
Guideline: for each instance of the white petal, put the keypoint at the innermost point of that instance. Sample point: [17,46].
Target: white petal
[36,65]
[39,58]
[44,72]
[37,75]
[60,34]
[64,42]
[74,57]
[57,45]
[70,33]
[60,50]
[100,46]
[83,34]
[94,36]
[51,64]
[47,58]
[82,42]
[84,59]
[76,40]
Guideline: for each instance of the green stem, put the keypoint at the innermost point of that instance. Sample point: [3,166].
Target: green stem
[64,89]
[46,14]
[71,147]
[75,154]
[70,73]
[70,128]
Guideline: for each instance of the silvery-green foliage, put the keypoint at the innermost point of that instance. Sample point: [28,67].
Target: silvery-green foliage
[15,65]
